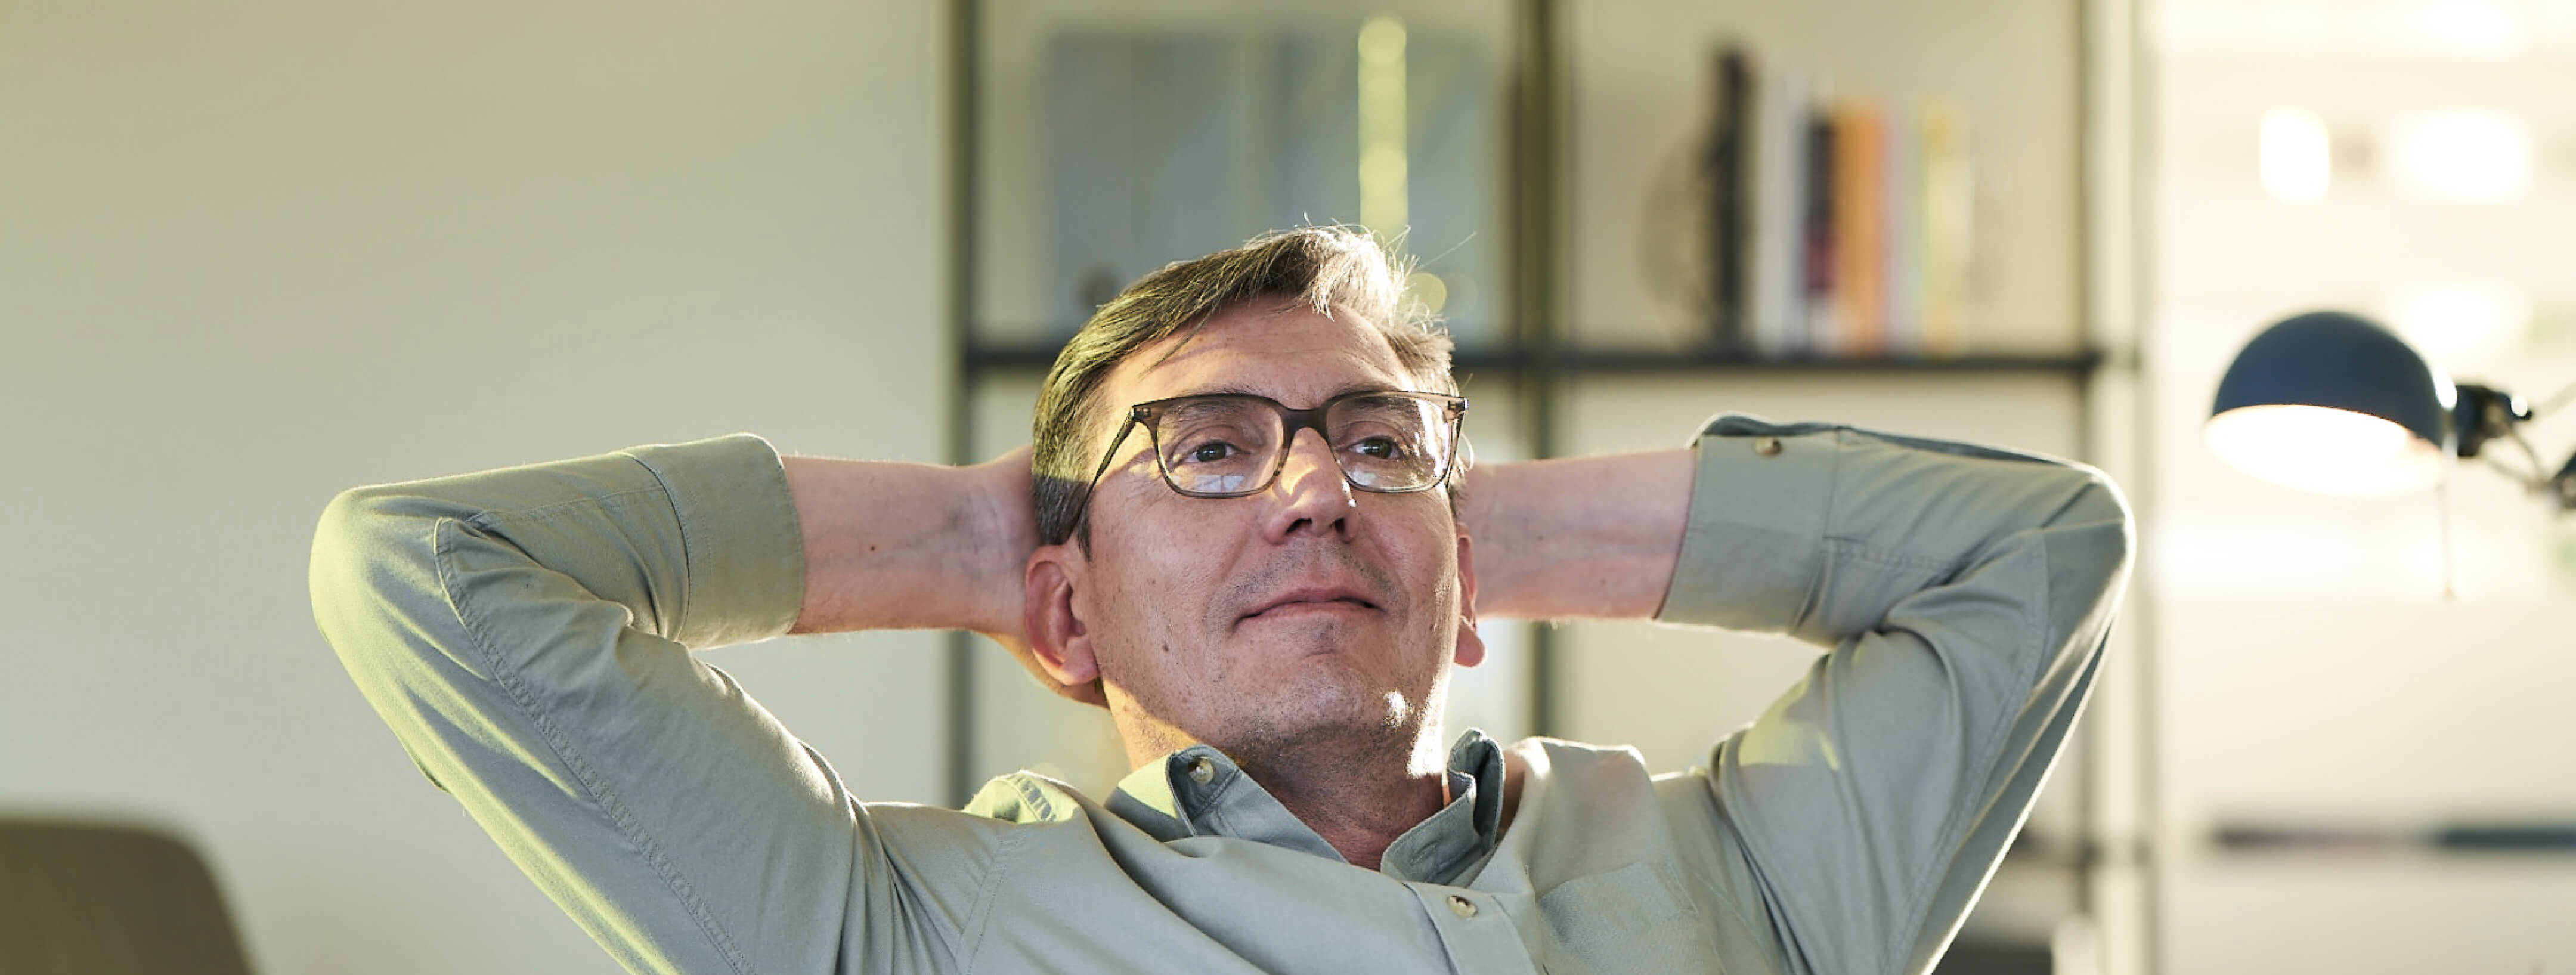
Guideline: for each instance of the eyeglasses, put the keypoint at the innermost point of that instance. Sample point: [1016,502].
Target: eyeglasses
[1229,445]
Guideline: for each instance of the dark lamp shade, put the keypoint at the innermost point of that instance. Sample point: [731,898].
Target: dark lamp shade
[2334,403]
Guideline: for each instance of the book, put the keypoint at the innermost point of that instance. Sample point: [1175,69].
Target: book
[1859,315]
[1835,227]
[1729,146]
[1816,249]
[1948,236]
[1775,280]
[1902,264]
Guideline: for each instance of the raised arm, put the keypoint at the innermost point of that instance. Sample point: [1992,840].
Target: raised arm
[1965,593]
[526,633]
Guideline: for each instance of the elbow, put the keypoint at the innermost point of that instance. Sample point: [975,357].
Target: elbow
[369,543]
[2099,501]
[2093,550]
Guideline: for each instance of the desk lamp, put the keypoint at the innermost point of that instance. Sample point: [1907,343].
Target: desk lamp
[2332,402]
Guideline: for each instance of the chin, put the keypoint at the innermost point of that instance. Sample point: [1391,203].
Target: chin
[1321,710]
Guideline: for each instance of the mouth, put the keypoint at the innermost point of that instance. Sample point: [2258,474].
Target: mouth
[1311,600]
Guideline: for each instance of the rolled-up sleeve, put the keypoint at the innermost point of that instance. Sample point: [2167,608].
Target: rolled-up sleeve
[526,634]
[1964,593]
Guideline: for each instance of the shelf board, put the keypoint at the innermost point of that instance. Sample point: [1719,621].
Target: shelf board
[1025,356]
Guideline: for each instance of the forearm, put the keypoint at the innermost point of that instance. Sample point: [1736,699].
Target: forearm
[909,546]
[1580,537]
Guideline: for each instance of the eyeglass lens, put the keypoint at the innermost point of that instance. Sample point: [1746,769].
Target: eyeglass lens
[1215,446]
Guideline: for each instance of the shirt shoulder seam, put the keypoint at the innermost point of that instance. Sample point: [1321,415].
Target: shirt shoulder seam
[974,932]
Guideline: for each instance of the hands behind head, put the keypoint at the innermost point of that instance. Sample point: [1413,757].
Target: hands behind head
[1009,530]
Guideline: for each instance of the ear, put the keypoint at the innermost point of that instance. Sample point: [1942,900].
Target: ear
[1060,649]
[1471,647]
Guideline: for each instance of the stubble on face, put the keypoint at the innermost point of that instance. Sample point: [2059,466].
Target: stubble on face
[1328,681]
[1272,685]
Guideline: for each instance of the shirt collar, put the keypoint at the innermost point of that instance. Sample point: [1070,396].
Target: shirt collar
[1197,791]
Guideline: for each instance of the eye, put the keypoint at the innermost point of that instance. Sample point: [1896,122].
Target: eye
[1206,452]
[1382,448]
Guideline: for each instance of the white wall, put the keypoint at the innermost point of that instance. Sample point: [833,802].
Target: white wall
[256,252]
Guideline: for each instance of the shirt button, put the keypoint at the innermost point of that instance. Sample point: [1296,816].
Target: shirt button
[1462,906]
[1766,446]
[1202,771]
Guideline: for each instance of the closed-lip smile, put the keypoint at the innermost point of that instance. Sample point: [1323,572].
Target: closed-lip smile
[1312,597]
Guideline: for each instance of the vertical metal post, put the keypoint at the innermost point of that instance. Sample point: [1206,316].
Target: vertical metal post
[1537,336]
[2115,128]
[964,116]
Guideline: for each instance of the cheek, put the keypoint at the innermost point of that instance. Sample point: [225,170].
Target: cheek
[1156,587]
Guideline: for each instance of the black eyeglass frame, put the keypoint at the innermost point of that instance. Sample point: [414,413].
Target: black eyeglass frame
[1290,422]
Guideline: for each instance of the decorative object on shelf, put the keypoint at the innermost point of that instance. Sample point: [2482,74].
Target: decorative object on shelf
[2337,403]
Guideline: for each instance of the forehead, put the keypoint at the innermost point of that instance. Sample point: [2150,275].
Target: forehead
[1282,349]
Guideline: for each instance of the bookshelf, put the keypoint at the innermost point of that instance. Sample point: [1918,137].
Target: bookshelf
[1575,352]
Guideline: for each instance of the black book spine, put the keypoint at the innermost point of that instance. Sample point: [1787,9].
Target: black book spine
[1818,236]
[1729,172]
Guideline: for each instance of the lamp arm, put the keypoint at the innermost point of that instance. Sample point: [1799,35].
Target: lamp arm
[2562,486]
[2537,476]
[2555,400]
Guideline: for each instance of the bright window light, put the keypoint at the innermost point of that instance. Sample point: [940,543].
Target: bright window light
[2460,321]
[2293,156]
[2462,156]
[2477,29]
[1384,198]
[2326,450]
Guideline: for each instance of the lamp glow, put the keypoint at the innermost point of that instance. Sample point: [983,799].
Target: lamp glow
[2323,449]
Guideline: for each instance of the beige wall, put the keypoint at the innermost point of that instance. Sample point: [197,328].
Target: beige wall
[253,253]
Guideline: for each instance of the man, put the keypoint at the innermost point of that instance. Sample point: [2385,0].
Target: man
[1251,543]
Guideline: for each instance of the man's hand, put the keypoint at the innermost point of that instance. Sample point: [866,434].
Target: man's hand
[1010,532]
[917,547]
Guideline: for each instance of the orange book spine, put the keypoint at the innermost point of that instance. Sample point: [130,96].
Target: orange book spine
[1860,225]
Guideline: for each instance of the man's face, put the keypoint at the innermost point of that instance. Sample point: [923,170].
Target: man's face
[1307,611]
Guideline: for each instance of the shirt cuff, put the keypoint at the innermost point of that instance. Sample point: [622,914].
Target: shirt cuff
[1754,547]
[746,550]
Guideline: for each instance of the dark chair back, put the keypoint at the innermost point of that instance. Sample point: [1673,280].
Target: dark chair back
[101,899]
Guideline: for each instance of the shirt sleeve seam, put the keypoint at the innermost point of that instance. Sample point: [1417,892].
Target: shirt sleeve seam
[688,547]
[602,799]
[1960,824]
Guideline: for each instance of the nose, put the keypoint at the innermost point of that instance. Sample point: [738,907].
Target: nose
[1310,494]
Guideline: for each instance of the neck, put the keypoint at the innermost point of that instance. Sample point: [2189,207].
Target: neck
[1358,792]
[1360,811]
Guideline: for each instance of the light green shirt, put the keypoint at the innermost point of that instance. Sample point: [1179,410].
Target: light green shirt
[526,633]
